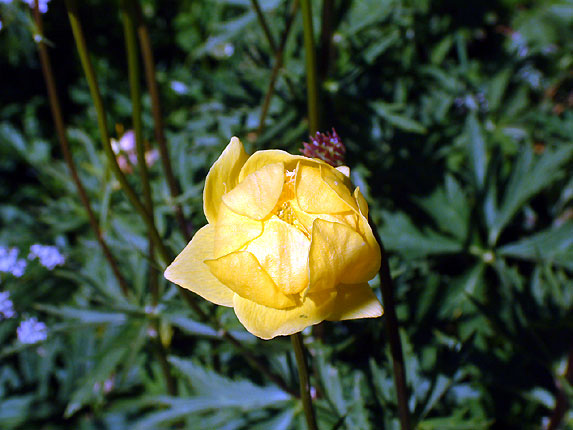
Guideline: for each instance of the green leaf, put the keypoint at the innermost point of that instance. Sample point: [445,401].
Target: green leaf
[497,86]
[114,352]
[529,177]
[85,315]
[477,149]
[386,111]
[215,391]
[449,208]
[554,245]
[399,234]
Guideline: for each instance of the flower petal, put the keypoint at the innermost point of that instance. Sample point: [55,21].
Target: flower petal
[262,158]
[257,194]
[267,323]
[339,254]
[355,301]
[243,274]
[282,250]
[222,177]
[313,194]
[189,271]
[361,201]
[345,170]
[233,231]
[340,184]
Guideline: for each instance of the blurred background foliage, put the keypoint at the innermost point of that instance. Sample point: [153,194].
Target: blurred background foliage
[458,122]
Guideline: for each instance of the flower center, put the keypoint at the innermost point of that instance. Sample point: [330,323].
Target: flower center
[284,209]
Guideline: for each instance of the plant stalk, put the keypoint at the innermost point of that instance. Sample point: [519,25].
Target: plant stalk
[128,18]
[393,334]
[150,78]
[78,33]
[562,403]
[276,67]
[55,107]
[311,73]
[264,25]
[304,381]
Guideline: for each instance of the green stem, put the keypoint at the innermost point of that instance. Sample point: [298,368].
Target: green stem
[150,77]
[303,379]
[392,332]
[311,75]
[63,139]
[326,38]
[102,124]
[128,15]
[277,66]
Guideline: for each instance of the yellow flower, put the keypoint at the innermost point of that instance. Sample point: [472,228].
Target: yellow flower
[288,243]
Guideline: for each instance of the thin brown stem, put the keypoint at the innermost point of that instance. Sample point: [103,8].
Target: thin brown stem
[310,63]
[392,332]
[264,25]
[258,364]
[81,45]
[151,80]
[562,403]
[63,139]
[170,381]
[276,68]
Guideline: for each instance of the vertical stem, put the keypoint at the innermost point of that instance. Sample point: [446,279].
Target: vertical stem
[311,75]
[102,124]
[277,66]
[128,14]
[303,379]
[63,139]
[264,24]
[150,77]
[128,18]
[387,287]
[562,403]
[326,38]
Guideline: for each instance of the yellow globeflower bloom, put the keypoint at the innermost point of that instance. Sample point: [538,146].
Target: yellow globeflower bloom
[288,243]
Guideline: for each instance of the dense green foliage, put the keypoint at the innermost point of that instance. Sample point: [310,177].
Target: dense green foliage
[458,122]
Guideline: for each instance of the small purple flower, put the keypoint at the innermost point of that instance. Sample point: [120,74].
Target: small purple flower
[42,4]
[6,306]
[10,263]
[32,331]
[49,256]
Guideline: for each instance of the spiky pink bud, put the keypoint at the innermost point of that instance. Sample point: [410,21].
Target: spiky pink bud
[327,147]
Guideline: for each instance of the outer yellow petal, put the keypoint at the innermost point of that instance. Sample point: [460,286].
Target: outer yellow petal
[361,201]
[339,254]
[243,274]
[282,250]
[345,170]
[257,194]
[222,177]
[313,194]
[189,271]
[340,184]
[233,231]
[355,301]
[267,323]
[262,158]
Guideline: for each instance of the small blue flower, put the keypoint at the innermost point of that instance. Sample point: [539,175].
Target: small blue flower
[32,331]
[49,256]
[6,306]
[10,263]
